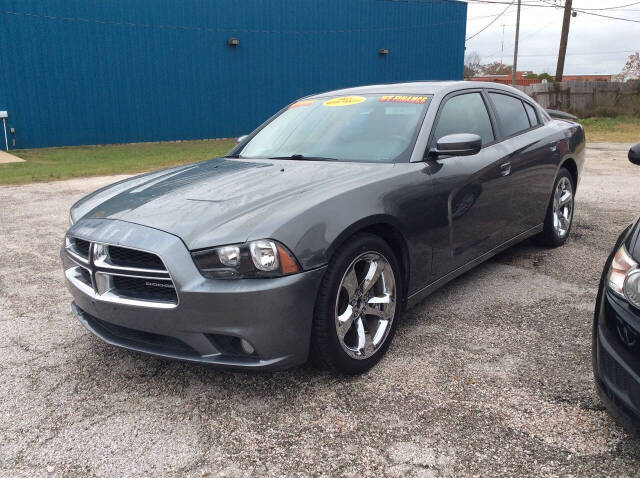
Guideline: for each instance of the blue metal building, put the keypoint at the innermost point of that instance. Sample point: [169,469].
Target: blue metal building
[114,71]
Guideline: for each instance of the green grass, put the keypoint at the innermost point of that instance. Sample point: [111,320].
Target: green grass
[619,129]
[50,164]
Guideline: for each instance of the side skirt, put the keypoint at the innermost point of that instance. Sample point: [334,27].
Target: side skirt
[416,297]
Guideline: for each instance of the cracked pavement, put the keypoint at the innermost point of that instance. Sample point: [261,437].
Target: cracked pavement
[489,376]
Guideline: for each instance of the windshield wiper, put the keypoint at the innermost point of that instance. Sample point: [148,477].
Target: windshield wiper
[302,157]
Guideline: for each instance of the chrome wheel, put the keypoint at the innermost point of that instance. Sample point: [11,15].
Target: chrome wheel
[365,305]
[562,207]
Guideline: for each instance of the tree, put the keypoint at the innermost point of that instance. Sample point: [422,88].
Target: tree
[496,68]
[541,76]
[631,69]
[472,64]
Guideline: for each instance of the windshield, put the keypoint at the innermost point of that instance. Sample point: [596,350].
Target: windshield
[346,128]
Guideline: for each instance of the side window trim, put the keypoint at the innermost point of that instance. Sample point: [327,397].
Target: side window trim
[523,101]
[492,119]
[535,112]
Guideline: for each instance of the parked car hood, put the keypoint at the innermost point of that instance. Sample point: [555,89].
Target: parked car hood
[222,200]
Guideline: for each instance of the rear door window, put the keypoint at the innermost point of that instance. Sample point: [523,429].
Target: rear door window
[510,110]
[465,113]
[531,112]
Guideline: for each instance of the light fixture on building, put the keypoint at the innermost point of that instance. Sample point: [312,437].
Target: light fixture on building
[233,42]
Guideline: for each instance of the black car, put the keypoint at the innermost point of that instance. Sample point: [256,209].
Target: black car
[616,327]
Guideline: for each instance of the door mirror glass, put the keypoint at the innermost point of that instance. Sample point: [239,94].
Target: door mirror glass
[464,144]
[240,139]
[634,154]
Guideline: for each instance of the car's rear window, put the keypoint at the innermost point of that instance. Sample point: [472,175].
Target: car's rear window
[511,112]
[348,128]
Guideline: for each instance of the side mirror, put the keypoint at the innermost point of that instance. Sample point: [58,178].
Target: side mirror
[458,145]
[634,154]
[240,139]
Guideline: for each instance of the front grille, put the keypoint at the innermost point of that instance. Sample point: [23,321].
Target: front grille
[123,257]
[120,274]
[617,377]
[146,289]
[82,247]
[85,275]
[138,338]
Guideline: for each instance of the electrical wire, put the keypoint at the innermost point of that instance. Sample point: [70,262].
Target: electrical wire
[490,23]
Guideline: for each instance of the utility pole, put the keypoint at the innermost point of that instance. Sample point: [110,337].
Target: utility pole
[515,50]
[563,40]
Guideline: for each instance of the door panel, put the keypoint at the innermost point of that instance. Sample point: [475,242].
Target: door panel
[532,174]
[470,190]
[473,192]
[530,164]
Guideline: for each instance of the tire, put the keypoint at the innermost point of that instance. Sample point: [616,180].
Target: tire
[555,233]
[345,301]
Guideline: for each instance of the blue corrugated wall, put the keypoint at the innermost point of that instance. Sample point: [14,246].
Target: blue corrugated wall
[112,71]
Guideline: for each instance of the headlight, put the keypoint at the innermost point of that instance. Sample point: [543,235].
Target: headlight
[624,277]
[263,258]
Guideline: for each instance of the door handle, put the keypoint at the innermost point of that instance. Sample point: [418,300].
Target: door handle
[505,169]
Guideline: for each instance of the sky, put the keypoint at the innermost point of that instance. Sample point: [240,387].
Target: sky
[596,45]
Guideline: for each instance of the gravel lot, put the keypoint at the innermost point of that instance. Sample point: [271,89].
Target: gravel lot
[489,376]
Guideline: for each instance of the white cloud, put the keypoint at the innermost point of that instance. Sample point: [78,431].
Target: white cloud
[596,45]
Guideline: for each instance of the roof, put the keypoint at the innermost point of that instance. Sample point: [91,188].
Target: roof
[413,87]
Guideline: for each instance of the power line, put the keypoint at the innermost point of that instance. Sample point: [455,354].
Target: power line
[491,22]
[608,16]
[613,8]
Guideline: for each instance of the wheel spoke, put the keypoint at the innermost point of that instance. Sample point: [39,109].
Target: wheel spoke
[376,268]
[350,283]
[345,320]
[565,198]
[362,336]
[384,299]
[376,306]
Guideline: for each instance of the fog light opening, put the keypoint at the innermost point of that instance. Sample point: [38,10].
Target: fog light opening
[246,347]
[627,336]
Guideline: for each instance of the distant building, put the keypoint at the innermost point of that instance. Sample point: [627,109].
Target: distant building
[522,80]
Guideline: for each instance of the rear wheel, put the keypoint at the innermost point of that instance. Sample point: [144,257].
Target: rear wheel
[559,218]
[357,306]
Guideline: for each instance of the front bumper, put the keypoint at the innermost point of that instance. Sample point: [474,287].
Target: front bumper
[273,315]
[617,359]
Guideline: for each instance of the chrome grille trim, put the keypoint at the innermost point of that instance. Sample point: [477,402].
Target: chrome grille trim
[102,273]
[74,252]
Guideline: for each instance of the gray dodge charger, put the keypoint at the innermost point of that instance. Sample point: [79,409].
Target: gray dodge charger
[313,234]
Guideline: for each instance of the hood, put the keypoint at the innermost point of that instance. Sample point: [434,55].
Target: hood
[221,201]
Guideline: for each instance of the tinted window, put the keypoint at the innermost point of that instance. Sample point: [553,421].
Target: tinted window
[531,112]
[350,128]
[465,114]
[511,112]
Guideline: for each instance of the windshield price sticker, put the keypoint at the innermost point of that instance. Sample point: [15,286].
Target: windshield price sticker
[345,101]
[404,99]
[297,104]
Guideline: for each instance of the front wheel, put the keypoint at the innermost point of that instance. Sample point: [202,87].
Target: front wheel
[357,306]
[559,217]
